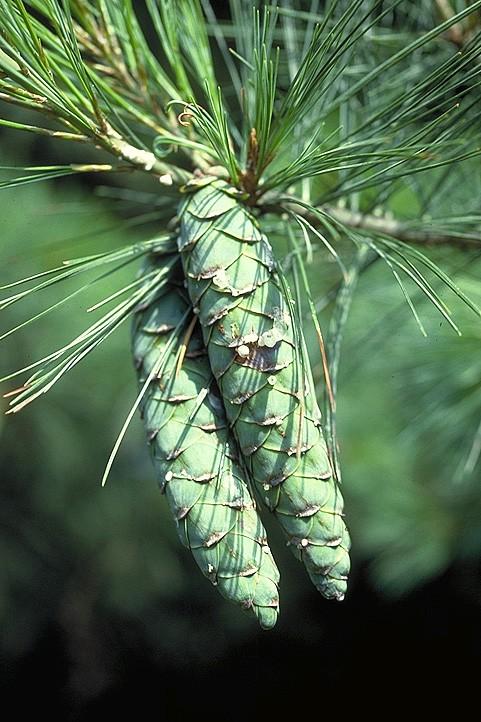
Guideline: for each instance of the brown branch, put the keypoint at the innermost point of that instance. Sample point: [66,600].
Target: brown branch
[455,32]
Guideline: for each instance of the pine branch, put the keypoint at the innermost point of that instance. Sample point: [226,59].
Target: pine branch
[142,159]
[403,231]
[87,72]
[383,225]
[457,32]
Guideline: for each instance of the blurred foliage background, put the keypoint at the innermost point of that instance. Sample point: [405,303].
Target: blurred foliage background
[101,610]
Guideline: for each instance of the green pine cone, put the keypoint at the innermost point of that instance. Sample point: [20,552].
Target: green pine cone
[194,459]
[255,356]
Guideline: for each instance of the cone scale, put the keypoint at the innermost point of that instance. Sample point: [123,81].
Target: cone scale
[255,354]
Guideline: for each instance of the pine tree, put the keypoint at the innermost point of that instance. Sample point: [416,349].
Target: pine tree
[277,145]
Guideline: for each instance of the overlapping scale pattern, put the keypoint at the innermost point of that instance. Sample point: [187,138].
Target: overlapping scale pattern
[194,457]
[255,355]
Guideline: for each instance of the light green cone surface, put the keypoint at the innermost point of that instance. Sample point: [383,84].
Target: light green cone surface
[256,359]
[196,466]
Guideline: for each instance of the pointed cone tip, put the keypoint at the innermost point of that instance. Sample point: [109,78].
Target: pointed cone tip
[267,616]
